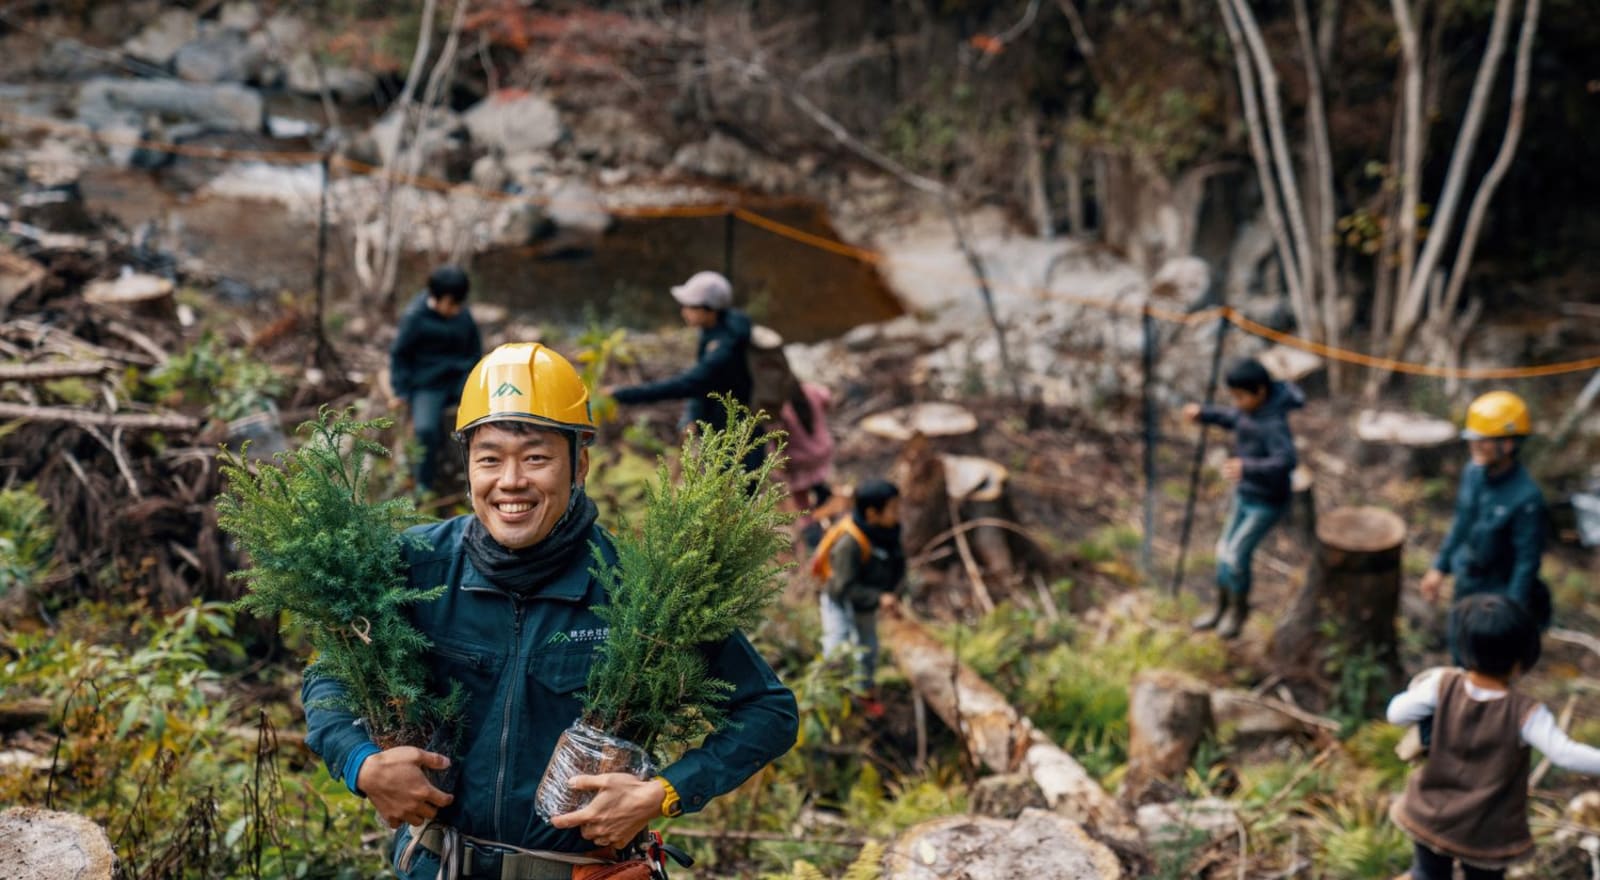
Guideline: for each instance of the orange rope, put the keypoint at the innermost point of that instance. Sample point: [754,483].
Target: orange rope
[801,236]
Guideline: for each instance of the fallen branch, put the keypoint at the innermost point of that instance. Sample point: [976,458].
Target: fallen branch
[998,735]
[88,417]
[1573,637]
[979,588]
[56,370]
[1309,719]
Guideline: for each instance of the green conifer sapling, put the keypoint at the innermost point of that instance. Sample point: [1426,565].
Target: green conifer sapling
[325,554]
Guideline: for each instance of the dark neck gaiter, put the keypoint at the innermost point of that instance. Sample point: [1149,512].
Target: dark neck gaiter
[525,572]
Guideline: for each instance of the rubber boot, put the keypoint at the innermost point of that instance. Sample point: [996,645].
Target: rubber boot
[1210,619]
[1234,624]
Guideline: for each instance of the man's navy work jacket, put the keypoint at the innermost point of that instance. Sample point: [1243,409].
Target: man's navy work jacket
[521,664]
[722,366]
[1497,539]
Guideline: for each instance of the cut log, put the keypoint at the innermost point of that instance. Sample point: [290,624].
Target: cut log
[1168,714]
[23,714]
[996,734]
[53,370]
[936,420]
[71,415]
[1347,608]
[43,845]
[1416,444]
[1038,845]
[146,295]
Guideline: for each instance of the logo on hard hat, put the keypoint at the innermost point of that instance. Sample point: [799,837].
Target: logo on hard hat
[506,389]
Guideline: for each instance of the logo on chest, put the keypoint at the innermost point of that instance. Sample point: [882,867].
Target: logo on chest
[588,635]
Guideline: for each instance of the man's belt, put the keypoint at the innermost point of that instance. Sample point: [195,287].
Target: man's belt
[490,860]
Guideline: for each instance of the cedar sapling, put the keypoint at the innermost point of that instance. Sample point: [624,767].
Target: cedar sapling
[324,553]
[700,565]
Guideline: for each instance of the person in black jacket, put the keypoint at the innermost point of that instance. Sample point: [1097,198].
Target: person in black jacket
[1263,458]
[436,348]
[723,362]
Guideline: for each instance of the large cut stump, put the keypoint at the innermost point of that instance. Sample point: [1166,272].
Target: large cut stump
[976,488]
[1168,714]
[944,422]
[1302,505]
[43,845]
[1417,445]
[1038,845]
[924,508]
[996,734]
[1354,585]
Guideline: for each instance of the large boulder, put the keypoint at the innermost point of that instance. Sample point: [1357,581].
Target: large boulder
[222,56]
[512,122]
[1039,845]
[343,83]
[43,845]
[239,15]
[1169,713]
[161,39]
[575,206]
[611,134]
[440,141]
[105,102]
[720,157]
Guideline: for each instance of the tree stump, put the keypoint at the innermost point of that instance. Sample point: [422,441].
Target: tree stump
[940,421]
[1353,584]
[1168,714]
[924,510]
[1418,445]
[43,845]
[142,295]
[977,488]
[1039,846]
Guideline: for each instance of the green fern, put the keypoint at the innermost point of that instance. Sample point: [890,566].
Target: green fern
[331,559]
[699,568]
[868,865]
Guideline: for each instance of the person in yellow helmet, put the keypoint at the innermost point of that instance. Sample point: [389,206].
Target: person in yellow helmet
[1497,538]
[516,631]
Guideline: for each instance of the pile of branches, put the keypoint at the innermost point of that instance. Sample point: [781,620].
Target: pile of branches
[128,480]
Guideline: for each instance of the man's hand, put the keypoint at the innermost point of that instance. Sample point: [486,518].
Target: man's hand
[888,601]
[393,781]
[1432,582]
[622,807]
[1191,411]
[1233,469]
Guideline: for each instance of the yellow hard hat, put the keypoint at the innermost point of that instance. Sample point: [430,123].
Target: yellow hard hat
[1497,414]
[526,382]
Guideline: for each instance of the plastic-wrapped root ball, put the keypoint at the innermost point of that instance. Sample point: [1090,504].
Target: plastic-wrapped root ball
[584,751]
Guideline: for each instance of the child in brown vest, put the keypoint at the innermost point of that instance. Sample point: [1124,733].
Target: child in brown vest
[1469,800]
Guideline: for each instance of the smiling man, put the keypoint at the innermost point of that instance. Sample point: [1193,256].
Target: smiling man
[516,631]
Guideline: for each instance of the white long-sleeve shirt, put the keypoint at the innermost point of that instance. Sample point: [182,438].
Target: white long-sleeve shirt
[1539,731]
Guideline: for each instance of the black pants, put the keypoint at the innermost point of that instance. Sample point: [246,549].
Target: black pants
[1429,865]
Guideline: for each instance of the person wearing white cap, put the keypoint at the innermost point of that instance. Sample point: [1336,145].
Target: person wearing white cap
[723,362]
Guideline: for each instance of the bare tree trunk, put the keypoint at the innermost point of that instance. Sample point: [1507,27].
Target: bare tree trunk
[1033,168]
[1502,161]
[1411,145]
[1073,169]
[1283,159]
[1413,293]
[1292,276]
[1325,213]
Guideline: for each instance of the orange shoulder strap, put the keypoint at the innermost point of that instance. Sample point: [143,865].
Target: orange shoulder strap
[846,525]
